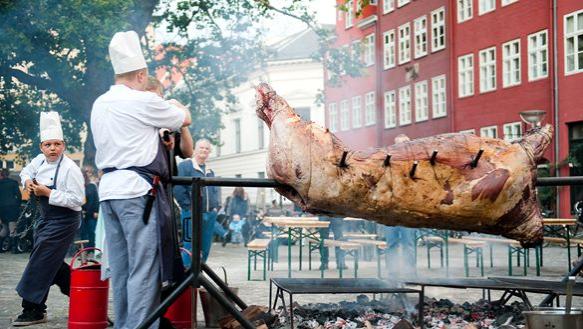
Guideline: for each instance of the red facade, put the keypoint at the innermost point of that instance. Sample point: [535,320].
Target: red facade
[498,60]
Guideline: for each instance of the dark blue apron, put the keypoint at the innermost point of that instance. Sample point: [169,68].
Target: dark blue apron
[172,268]
[53,236]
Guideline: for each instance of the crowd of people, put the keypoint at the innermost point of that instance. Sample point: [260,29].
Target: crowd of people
[136,132]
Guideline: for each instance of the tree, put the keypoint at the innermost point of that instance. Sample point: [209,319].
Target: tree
[54,57]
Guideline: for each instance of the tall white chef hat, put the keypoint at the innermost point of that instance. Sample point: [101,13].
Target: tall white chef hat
[50,126]
[125,52]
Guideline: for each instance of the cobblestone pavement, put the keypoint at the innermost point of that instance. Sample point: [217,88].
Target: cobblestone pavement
[234,259]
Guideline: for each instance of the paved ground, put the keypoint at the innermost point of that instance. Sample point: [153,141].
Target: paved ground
[234,259]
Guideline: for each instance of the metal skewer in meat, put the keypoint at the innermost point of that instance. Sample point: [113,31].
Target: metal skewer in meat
[451,181]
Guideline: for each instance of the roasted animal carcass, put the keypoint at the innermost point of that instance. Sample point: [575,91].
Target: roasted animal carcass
[451,181]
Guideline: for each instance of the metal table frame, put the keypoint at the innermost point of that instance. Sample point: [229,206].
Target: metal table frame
[343,286]
[196,278]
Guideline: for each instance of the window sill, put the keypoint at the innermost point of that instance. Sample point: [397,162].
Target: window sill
[404,124]
[420,56]
[486,12]
[439,116]
[538,79]
[438,49]
[487,91]
[388,67]
[391,127]
[573,72]
[465,96]
[422,120]
[512,85]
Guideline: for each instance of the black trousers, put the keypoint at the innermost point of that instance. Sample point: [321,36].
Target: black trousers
[62,280]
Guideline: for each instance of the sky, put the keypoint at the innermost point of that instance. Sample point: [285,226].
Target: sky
[281,26]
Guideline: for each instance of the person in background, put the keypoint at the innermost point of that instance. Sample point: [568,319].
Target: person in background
[236,227]
[403,239]
[239,205]
[336,226]
[90,208]
[10,198]
[58,183]
[197,167]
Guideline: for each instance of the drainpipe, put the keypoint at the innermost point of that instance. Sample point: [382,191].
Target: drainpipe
[556,101]
[379,68]
[450,48]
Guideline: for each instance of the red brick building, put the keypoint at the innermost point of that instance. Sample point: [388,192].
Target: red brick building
[436,66]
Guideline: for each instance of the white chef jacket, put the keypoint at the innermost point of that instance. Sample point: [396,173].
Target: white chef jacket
[125,124]
[69,191]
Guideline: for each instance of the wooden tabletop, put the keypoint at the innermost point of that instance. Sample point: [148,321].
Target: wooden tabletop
[559,221]
[352,219]
[269,218]
[491,239]
[359,235]
[380,244]
[295,223]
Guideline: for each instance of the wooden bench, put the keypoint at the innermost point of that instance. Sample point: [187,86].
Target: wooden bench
[380,247]
[350,248]
[257,247]
[470,247]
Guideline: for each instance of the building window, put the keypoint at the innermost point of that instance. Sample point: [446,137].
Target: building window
[420,26]
[405,105]
[389,49]
[486,6]
[332,117]
[349,14]
[388,6]
[260,134]
[464,10]
[438,29]
[356,51]
[401,3]
[438,96]
[468,131]
[538,55]
[390,109]
[511,63]
[344,115]
[370,110]
[507,2]
[512,131]
[404,43]
[421,101]
[491,132]
[356,111]
[466,75]
[237,124]
[574,43]
[369,50]
[488,69]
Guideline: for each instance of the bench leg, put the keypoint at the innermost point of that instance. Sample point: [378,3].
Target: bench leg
[491,255]
[264,265]
[310,255]
[301,247]
[378,263]
[509,260]
[525,256]
[466,269]
[249,265]
[428,256]
[537,261]
[356,263]
[255,261]
[441,256]
[481,253]
[518,258]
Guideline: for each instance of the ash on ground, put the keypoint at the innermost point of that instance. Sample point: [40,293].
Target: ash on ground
[390,314]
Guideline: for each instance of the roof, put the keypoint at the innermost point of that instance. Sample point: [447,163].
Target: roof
[300,45]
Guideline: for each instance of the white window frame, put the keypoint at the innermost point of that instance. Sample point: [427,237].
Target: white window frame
[511,64]
[369,50]
[508,2]
[465,10]
[389,48]
[421,101]
[487,59]
[401,3]
[344,115]
[332,117]
[538,56]
[356,50]
[482,9]
[404,43]
[468,131]
[438,29]
[388,6]
[370,109]
[420,38]
[404,105]
[512,131]
[466,75]
[574,34]
[390,109]
[485,131]
[356,112]
[349,14]
[439,96]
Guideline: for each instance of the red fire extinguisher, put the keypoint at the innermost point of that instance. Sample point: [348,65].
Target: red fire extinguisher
[88,295]
[181,313]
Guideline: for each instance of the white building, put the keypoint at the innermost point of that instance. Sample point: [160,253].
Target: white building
[293,73]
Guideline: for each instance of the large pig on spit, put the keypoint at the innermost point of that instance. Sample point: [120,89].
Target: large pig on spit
[451,181]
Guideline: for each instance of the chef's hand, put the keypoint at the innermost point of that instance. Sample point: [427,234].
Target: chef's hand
[28,185]
[41,190]
[170,143]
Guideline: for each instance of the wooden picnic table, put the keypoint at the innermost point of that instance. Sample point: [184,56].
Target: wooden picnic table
[295,227]
[352,235]
[559,228]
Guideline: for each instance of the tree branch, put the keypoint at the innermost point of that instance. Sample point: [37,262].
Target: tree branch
[40,83]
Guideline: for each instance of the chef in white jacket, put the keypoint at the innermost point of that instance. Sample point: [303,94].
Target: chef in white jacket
[125,122]
[58,184]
